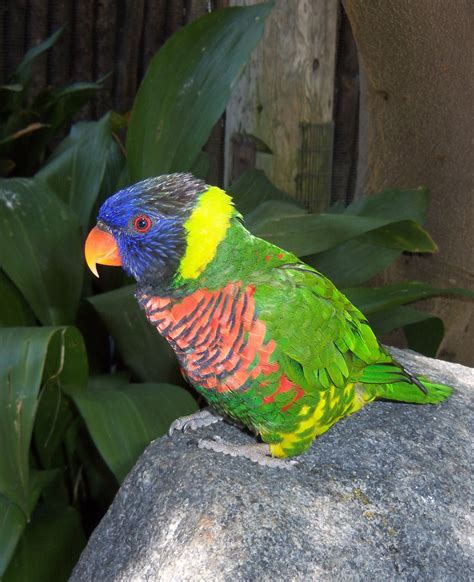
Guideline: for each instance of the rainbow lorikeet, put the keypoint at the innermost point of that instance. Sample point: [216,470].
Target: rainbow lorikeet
[267,340]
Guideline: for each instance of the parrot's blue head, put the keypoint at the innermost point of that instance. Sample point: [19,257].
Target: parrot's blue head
[146,222]
[159,228]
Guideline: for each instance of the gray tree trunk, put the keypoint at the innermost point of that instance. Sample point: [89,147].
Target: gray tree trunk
[418,62]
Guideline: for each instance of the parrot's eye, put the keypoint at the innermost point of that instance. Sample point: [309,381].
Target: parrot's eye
[142,223]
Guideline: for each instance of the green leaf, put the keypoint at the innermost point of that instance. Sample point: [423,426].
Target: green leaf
[13,520]
[425,336]
[357,260]
[373,299]
[23,71]
[352,262]
[405,235]
[50,547]
[49,112]
[312,233]
[253,188]
[95,484]
[41,249]
[15,88]
[387,320]
[122,421]
[187,87]
[77,169]
[55,414]
[14,310]
[142,348]
[423,330]
[62,104]
[270,210]
[201,165]
[12,525]
[395,204]
[30,357]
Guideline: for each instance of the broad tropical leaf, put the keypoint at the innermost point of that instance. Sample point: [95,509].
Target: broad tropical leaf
[308,234]
[425,336]
[41,249]
[187,87]
[23,71]
[423,330]
[14,310]
[54,415]
[77,169]
[123,420]
[29,358]
[374,299]
[142,348]
[411,204]
[353,262]
[50,546]
[13,520]
[12,525]
[253,188]
[357,260]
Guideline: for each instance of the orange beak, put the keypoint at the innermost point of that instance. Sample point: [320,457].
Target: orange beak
[101,249]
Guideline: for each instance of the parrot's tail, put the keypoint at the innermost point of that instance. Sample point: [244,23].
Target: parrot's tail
[392,382]
[407,392]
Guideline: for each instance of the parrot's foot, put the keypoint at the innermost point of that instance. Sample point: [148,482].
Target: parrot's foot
[258,452]
[204,417]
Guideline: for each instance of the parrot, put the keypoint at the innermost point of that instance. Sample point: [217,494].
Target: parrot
[267,340]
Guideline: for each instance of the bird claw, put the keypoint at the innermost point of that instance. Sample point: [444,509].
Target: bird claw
[194,421]
[257,453]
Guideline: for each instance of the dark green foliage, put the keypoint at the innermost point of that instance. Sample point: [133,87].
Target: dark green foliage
[187,87]
[70,429]
[28,122]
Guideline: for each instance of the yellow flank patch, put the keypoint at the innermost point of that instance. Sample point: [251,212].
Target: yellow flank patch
[205,228]
[289,439]
[312,423]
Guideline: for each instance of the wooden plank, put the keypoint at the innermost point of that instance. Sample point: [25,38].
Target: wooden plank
[105,51]
[129,40]
[153,31]
[195,9]
[60,56]
[37,28]
[14,34]
[285,96]
[175,16]
[83,52]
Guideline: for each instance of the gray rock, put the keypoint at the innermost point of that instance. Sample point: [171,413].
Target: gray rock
[383,495]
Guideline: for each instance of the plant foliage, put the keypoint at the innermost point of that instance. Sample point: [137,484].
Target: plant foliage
[29,122]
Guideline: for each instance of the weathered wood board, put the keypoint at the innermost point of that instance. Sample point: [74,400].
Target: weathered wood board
[285,99]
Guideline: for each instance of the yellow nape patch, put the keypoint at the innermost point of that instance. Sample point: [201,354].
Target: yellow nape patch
[205,228]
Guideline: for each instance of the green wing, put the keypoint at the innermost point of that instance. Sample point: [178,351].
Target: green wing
[326,340]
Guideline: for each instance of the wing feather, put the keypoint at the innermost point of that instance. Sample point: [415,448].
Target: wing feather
[316,326]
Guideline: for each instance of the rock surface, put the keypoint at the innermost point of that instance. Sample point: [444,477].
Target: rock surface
[383,495]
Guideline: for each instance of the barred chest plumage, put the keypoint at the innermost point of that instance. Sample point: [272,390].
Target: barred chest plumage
[216,335]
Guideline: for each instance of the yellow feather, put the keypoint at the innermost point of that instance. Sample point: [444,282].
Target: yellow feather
[313,420]
[205,228]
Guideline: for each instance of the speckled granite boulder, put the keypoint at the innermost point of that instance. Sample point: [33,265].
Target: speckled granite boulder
[382,496]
